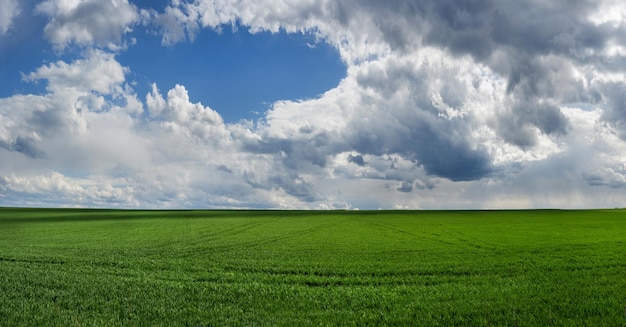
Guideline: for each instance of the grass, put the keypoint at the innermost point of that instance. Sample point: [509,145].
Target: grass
[437,268]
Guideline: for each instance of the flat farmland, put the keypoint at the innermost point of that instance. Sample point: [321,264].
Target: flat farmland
[77,267]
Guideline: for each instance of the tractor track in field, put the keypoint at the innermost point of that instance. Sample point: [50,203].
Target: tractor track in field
[204,241]
[448,235]
[33,261]
[263,240]
[247,226]
[274,239]
[454,233]
[431,237]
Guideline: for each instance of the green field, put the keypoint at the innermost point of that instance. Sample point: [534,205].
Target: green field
[196,268]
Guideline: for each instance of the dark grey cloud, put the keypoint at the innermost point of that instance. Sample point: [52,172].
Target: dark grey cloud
[48,122]
[293,158]
[429,143]
[224,168]
[296,186]
[614,98]
[443,155]
[460,26]
[608,177]
[309,151]
[289,181]
[26,146]
[516,125]
[356,159]
[480,27]
[405,187]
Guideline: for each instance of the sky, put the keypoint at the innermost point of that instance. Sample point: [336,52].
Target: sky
[313,104]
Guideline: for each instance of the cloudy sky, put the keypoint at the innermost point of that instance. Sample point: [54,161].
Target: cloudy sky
[317,104]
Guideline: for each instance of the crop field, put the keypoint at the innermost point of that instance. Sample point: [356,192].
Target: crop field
[63,267]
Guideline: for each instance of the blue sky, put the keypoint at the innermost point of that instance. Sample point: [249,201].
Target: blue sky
[216,67]
[313,105]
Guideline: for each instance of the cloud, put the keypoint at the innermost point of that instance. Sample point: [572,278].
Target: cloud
[356,159]
[54,189]
[85,100]
[606,176]
[27,146]
[390,106]
[9,9]
[534,54]
[444,104]
[466,92]
[88,22]
[614,100]
[405,187]
[98,71]
[179,116]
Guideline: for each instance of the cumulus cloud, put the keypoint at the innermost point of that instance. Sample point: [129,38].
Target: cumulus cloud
[99,72]
[88,22]
[9,9]
[478,104]
[530,45]
[54,189]
[606,176]
[179,115]
[376,114]
[465,92]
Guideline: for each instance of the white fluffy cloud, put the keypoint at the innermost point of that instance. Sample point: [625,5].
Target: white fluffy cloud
[53,189]
[88,22]
[348,26]
[179,115]
[444,105]
[9,9]
[99,72]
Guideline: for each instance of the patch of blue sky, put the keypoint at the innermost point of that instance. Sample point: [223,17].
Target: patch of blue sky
[235,72]
[23,50]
